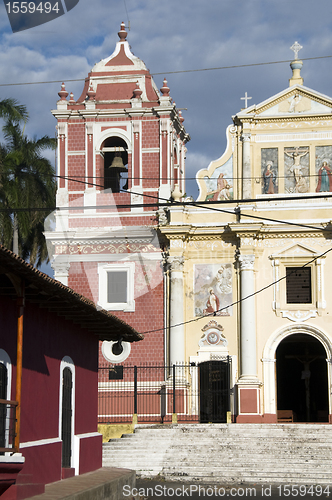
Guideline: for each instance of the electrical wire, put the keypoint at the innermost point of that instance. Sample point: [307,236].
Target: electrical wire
[230,177]
[208,206]
[174,72]
[166,204]
[215,313]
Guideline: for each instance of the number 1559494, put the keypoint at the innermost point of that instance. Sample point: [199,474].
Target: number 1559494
[31,7]
[294,490]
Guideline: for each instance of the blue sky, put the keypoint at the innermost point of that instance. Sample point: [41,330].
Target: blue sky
[173,36]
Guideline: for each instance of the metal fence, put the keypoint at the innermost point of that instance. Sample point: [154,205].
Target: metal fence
[7,425]
[194,393]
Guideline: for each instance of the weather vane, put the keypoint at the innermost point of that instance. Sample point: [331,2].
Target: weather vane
[296,47]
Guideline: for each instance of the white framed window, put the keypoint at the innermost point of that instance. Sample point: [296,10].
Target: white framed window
[298,283]
[116,286]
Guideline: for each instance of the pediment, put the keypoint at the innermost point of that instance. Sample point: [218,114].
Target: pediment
[297,250]
[296,100]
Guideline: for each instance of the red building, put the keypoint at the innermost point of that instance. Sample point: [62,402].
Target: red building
[48,378]
[121,147]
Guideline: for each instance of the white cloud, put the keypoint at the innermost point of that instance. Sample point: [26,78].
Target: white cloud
[171,36]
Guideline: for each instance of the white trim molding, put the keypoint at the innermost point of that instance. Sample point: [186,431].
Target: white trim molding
[298,255]
[67,362]
[5,359]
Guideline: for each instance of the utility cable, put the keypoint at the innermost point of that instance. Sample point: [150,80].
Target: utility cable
[166,204]
[215,313]
[176,72]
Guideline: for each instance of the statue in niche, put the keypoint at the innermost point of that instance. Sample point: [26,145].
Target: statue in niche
[269,179]
[296,154]
[324,183]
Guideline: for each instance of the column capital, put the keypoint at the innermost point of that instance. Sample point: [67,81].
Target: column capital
[246,262]
[245,137]
[61,267]
[176,262]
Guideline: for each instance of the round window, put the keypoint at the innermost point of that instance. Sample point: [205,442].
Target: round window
[115,352]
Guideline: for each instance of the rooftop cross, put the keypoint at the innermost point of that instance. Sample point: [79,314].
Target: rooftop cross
[245,99]
[296,47]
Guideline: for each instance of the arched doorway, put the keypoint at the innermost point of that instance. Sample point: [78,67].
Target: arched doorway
[302,378]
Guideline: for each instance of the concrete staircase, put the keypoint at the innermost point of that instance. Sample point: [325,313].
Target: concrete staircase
[226,453]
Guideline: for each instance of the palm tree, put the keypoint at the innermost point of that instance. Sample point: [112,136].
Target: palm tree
[27,192]
[9,108]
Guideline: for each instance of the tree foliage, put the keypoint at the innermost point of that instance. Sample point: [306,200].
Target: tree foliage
[27,187]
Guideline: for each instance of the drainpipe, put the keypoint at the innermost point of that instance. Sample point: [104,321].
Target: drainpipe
[18,397]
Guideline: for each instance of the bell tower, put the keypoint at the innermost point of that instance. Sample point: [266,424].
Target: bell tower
[121,147]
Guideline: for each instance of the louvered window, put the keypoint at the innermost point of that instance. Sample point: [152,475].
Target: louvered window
[298,285]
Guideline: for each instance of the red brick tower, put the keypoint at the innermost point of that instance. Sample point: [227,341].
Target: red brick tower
[121,146]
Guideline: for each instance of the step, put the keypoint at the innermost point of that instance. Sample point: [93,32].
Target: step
[257,453]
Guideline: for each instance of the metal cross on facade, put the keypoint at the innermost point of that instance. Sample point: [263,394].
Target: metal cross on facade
[296,47]
[245,99]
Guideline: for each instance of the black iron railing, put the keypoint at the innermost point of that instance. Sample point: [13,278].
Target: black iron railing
[161,394]
[7,426]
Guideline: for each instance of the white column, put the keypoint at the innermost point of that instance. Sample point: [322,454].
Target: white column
[61,271]
[248,366]
[246,167]
[176,310]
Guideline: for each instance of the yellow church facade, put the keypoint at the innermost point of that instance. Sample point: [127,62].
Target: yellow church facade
[249,264]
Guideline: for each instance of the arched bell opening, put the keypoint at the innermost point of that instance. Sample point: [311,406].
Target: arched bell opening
[302,379]
[115,154]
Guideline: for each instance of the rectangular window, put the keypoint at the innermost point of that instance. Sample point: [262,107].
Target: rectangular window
[116,287]
[298,285]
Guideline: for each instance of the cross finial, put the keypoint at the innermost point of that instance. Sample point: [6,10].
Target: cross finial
[245,99]
[296,47]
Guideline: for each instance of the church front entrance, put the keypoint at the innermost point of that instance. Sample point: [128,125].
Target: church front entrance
[214,391]
[302,380]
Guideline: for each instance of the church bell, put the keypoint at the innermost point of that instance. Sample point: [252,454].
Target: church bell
[118,162]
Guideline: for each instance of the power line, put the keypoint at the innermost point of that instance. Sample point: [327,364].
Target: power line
[240,65]
[166,204]
[169,178]
[242,299]
[174,72]
[124,1]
